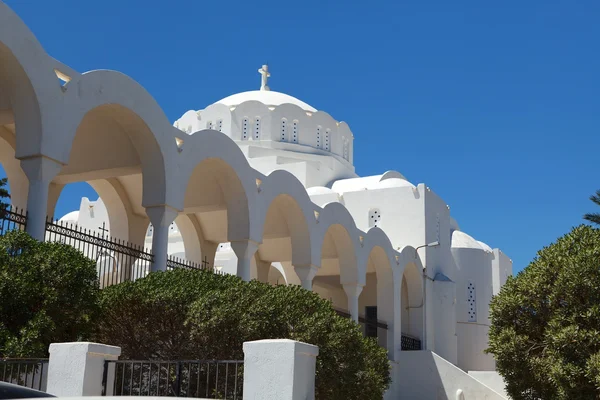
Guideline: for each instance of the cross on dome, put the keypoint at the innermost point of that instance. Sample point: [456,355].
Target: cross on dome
[264,72]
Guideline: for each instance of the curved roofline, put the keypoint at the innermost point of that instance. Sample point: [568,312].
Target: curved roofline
[267,97]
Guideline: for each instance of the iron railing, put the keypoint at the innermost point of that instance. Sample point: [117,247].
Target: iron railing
[27,372]
[407,342]
[197,378]
[12,218]
[116,260]
[174,262]
[410,343]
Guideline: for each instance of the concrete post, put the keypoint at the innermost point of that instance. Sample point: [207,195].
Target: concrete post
[306,273]
[244,250]
[353,291]
[279,369]
[76,369]
[161,218]
[40,171]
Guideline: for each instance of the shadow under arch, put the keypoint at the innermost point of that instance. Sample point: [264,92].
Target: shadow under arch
[131,121]
[413,305]
[285,220]
[113,142]
[217,197]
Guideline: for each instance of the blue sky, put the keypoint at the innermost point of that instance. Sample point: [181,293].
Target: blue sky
[494,105]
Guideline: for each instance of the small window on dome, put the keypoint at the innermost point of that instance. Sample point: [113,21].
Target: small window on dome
[283,132]
[295,131]
[326,140]
[245,128]
[319,137]
[220,125]
[257,128]
[374,217]
[209,125]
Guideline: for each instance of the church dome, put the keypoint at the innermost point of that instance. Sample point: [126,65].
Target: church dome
[71,217]
[393,183]
[319,190]
[461,240]
[266,97]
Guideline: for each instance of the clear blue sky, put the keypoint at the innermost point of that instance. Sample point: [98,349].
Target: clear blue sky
[494,105]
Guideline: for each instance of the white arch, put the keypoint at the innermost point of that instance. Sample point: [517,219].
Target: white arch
[141,117]
[215,150]
[281,186]
[337,217]
[33,85]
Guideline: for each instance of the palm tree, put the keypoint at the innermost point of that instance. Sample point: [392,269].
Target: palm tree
[594,217]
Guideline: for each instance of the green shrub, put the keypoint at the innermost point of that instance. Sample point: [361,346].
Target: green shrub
[48,293]
[545,332]
[185,314]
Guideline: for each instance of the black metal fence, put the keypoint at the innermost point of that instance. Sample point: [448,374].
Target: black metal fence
[410,343]
[370,325]
[200,379]
[116,260]
[28,372]
[12,218]
[174,262]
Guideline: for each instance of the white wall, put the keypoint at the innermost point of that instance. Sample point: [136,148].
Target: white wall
[491,379]
[501,270]
[474,278]
[424,375]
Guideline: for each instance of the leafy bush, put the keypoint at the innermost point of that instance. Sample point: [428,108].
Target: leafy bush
[545,332]
[185,314]
[48,293]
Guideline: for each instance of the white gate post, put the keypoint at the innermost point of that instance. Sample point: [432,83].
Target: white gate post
[76,369]
[280,369]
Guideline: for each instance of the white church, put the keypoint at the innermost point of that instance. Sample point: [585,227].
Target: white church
[261,185]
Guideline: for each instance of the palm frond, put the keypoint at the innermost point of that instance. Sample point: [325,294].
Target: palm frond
[593,218]
[596,197]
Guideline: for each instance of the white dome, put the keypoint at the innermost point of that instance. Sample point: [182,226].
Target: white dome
[371,182]
[485,246]
[319,190]
[393,183]
[73,216]
[266,97]
[461,240]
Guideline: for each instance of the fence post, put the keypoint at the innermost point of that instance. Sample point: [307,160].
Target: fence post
[77,369]
[280,369]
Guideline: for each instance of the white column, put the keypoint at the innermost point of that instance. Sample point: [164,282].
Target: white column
[306,273]
[244,250]
[353,291]
[396,332]
[40,171]
[76,369]
[279,369]
[161,218]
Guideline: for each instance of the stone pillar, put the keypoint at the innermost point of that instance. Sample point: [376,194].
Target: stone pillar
[161,218]
[76,369]
[353,291]
[306,273]
[244,250]
[208,251]
[262,270]
[40,171]
[279,369]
